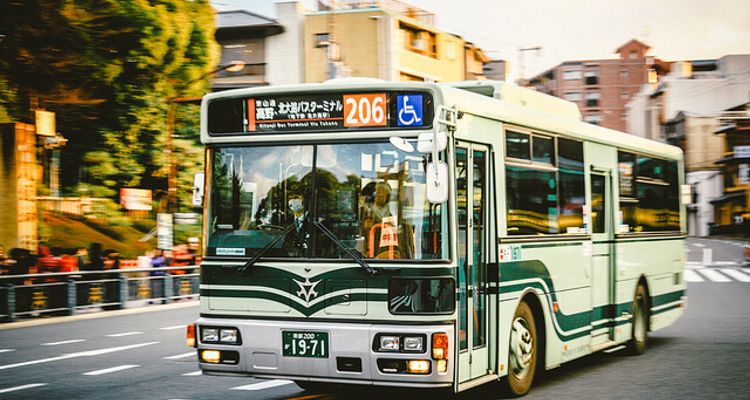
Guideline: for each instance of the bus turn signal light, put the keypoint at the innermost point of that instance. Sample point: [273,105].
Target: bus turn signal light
[439,346]
[190,335]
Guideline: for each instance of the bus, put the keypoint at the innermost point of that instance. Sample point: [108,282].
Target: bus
[428,235]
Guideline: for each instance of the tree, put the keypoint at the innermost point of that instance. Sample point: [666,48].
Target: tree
[107,68]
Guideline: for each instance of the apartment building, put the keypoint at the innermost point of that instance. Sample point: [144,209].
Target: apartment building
[602,88]
[389,40]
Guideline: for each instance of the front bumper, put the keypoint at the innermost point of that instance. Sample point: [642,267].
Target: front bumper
[261,353]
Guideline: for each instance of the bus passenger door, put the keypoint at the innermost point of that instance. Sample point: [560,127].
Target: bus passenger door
[602,265]
[472,199]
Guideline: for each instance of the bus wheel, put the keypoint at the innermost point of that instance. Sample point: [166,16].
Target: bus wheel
[639,336]
[523,351]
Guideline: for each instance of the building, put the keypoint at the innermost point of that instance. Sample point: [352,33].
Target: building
[601,88]
[497,70]
[732,208]
[389,40]
[18,181]
[271,49]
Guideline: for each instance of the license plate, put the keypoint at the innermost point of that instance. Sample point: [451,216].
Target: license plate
[304,344]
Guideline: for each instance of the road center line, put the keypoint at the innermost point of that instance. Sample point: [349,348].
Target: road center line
[14,388]
[110,370]
[6,350]
[185,355]
[169,328]
[699,245]
[64,342]
[89,353]
[125,334]
[263,385]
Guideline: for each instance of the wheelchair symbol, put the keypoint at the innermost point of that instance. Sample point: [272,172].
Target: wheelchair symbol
[407,114]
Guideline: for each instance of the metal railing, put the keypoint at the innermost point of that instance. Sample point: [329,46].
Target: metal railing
[69,293]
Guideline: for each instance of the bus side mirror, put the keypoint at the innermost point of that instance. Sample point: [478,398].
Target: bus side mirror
[437,182]
[198,189]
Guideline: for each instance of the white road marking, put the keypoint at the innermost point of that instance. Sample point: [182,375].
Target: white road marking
[6,350]
[169,328]
[64,342]
[698,245]
[185,355]
[725,263]
[14,388]
[736,274]
[692,276]
[713,276]
[89,353]
[263,385]
[196,373]
[110,370]
[125,334]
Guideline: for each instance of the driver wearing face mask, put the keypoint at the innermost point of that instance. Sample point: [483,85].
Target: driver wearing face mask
[296,242]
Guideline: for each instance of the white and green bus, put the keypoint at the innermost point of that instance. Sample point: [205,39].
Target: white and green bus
[428,235]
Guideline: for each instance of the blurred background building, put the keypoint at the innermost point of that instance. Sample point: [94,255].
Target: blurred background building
[601,88]
[18,179]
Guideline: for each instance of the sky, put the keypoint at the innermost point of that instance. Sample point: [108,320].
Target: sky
[565,30]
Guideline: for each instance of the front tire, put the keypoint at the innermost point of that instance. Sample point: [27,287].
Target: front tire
[522,355]
[639,338]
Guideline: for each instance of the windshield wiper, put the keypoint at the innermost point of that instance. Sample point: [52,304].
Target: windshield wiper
[352,254]
[264,250]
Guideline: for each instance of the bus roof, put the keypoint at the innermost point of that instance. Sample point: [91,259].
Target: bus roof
[508,103]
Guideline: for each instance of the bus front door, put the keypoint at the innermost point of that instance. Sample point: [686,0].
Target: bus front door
[472,199]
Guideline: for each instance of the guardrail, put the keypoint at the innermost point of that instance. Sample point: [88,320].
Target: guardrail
[69,293]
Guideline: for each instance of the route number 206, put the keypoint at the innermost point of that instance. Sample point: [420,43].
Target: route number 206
[364,110]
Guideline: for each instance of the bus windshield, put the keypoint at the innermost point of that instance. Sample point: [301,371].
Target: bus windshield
[370,196]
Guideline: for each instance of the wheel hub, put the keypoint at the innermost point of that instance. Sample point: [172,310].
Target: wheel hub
[522,347]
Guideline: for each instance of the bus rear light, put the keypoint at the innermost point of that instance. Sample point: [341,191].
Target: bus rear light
[439,346]
[190,336]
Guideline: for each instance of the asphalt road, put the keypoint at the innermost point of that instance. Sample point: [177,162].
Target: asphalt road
[143,356]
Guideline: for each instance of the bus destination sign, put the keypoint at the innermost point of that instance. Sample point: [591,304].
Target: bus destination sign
[337,112]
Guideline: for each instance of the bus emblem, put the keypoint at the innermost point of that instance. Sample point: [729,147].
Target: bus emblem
[307,289]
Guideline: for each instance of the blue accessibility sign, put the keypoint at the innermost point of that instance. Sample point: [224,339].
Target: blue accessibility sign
[409,110]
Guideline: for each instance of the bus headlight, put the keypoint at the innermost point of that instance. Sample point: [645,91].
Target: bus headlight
[413,343]
[389,343]
[228,335]
[209,334]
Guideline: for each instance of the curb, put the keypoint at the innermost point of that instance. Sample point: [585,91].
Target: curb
[96,315]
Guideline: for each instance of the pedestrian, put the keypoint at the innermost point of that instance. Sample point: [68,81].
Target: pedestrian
[158,261]
[96,262]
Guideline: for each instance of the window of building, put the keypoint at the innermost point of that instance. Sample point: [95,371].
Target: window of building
[592,76]
[322,40]
[624,95]
[624,73]
[418,40]
[633,55]
[573,96]
[450,50]
[648,194]
[592,99]
[571,74]
[593,118]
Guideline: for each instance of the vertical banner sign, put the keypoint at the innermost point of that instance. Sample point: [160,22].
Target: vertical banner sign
[164,231]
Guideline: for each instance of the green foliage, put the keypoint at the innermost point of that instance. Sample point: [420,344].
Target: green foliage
[108,68]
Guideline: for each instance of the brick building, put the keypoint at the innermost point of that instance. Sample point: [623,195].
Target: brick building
[601,88]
